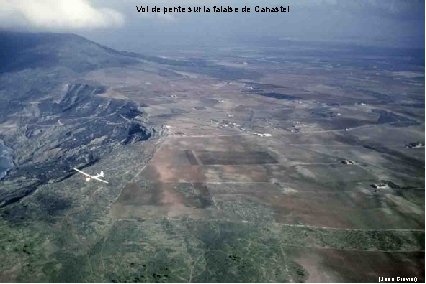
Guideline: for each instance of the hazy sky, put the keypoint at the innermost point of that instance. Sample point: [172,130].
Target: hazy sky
[116,22]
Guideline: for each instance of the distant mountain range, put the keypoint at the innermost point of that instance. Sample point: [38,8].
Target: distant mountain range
[35,50]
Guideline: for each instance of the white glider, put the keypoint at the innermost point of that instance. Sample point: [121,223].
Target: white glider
[89,177]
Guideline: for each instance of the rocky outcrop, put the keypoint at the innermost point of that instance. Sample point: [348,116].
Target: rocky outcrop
[75,131]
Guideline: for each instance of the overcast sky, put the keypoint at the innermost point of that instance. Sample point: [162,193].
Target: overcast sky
[116,23]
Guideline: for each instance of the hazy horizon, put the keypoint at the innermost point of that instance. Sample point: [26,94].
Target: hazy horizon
[117,23]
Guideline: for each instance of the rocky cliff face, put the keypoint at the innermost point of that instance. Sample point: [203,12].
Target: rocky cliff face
[53,137]
[50,119]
